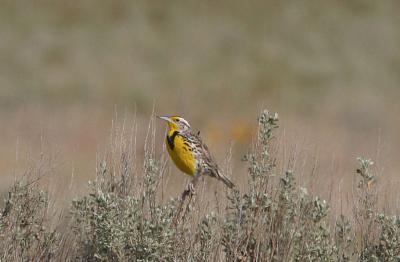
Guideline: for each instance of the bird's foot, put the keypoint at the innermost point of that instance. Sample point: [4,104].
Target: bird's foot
[190,191]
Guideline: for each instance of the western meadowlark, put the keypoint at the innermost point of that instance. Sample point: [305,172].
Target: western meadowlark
[188,152]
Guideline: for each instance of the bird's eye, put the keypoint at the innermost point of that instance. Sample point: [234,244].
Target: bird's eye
[177,120]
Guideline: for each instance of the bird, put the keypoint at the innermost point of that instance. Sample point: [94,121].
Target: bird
[189,153]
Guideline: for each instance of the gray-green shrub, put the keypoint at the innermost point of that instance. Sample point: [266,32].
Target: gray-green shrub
[123,217]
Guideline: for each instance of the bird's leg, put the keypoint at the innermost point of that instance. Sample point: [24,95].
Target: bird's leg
[191,187]
[189,191]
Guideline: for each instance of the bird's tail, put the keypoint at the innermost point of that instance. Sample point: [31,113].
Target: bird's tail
[224,179]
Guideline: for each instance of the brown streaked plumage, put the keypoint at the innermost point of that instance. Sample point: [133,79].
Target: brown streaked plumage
[188,151]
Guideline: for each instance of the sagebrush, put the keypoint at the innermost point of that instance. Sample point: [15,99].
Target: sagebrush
[123,217]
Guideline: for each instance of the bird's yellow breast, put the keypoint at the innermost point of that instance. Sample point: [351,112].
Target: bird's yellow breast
[181,154]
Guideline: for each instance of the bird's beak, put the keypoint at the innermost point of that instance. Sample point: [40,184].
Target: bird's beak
[166,118]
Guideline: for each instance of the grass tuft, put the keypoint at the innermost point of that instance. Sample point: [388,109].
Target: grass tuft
[123,217]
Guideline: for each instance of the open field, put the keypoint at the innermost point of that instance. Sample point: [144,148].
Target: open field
[127,215]
[79,79]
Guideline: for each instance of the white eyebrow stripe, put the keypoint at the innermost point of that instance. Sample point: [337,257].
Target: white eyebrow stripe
[185,122]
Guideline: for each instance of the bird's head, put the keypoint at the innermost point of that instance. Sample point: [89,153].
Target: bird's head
[176,123]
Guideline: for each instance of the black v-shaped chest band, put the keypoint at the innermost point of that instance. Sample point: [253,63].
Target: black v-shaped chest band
[170,139]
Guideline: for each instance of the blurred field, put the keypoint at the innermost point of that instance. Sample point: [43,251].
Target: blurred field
[331,70]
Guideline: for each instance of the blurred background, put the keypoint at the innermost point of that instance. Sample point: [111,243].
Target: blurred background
[331,69]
